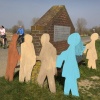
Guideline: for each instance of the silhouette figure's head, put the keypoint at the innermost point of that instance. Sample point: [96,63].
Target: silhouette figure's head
[74,39]
[28,38]
[14,37]
[94,36]
[45,38]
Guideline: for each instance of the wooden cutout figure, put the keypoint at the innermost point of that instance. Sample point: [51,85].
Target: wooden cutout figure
[27,60]
[91,51]
[13,57]
[48,63]
[70,68]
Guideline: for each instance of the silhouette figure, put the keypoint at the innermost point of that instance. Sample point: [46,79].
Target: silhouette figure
[13,57]
[27,60]
[70,68]
[91,51]
[48,63]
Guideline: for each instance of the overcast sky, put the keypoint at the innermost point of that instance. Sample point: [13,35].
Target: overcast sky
[25,10]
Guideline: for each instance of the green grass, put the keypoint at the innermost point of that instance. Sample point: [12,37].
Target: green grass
[31,91]
[22,91]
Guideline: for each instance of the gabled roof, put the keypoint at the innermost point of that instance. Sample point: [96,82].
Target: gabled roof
[49,15]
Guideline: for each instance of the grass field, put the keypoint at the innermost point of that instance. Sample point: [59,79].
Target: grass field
[89,86]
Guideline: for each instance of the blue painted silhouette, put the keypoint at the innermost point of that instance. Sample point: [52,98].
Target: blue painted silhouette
[79,49]
[70,68]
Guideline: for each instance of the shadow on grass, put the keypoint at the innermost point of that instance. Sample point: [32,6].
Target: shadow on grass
[59,77]
[83,63]
[16,75]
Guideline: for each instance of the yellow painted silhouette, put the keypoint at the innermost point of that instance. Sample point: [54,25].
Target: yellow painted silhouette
[91,51]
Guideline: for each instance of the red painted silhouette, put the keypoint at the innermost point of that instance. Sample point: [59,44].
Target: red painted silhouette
[13,57]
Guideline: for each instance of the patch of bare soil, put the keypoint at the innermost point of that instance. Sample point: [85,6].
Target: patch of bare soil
[87,84]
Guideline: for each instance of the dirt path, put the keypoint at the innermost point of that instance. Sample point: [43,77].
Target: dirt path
[3,60]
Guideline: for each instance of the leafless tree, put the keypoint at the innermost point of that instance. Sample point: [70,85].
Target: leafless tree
[14,29]
[20,23]
[95,29]
[81,25]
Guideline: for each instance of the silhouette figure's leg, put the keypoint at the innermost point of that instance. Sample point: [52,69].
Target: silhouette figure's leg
[28,77]
[41,76]
[21,74]
[28,72]
[67,86]
[11,74]
[12,70]
[93,64]
[74,88]
[51,82]
[89,64]
[8,68]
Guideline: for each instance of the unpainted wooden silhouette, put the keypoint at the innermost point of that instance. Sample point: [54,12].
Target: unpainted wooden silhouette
[91,51]
[27,60]
[48,63]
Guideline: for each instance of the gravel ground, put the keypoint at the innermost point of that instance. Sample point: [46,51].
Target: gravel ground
[3,61]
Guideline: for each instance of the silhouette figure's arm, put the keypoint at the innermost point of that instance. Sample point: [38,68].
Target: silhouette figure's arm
[86,48]
[60,59]
[79,49]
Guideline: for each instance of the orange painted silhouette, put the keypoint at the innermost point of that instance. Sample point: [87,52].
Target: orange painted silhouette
[91,51]
[13,57]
